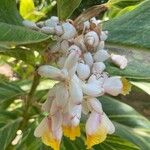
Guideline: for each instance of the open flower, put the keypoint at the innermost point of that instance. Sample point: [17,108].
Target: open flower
[97,127]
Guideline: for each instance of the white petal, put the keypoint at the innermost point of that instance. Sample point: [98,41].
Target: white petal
[69,31]
[47,104]
[41,128]
[98,67]
[75,121]
[54,108]
[88,58]
[113,86]
[101,56]
[71,60]
[92,123]
[109,125]
[94,104]
[75,92]
[62,95]
[119,60]
[92,89]
[49,72]
[83,71]
[75,110]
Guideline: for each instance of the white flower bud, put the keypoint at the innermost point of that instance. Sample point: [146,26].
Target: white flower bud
[50,72]
[103,35]
[59,30]
[92,89]
[88,59]
[55,47]
[91,39]
[48,30]
[30,24]
[83,71]
[113,86]
[98,67]
[52,22]
[94,104]
[69,31]
[72,58]
[119,60]
[101,56]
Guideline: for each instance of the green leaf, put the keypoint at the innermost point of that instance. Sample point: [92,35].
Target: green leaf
[9,91]
[145,86]
[132,28]
[129,124]
[20,54]
[8,132]
[116,143]
[66,7]
[12,35]
[138,62]
[9,13]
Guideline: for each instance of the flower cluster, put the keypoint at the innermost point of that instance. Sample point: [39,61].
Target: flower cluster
[82,78]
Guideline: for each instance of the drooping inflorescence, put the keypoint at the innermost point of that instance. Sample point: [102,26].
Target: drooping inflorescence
[82,78]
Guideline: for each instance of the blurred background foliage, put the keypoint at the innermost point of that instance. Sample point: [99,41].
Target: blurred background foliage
[22,50]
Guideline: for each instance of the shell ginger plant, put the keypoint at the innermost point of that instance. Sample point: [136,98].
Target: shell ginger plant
[80,72]
[69,72]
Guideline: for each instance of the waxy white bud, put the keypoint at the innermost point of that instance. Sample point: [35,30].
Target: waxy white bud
[48,30]
[91,39]
[98,67]
[52,22]
[83,71]
[50,72]
[101,56]
[119,60]
[88,58]
[113,86]
[69,31]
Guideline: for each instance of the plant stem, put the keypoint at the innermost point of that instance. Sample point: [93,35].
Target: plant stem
[29,100]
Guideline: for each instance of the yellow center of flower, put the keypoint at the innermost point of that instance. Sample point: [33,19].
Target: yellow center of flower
[97,137]
[126,86]
[71,132]
[50,141]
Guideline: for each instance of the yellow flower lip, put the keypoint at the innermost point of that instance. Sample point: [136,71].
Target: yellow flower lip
[71,132]
[126,86]
[98,137]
